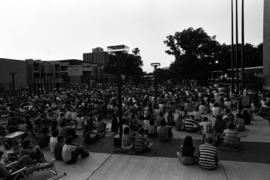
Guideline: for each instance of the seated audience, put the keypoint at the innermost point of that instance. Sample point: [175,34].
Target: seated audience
[58,148]
[191,125]
[44,138]
[127,142]
[71,152]
[164,132]
[141,144]
[207,157]
[231,139]
[53,140]
[186,153]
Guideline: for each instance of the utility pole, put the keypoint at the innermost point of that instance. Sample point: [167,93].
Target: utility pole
[232,52]
[13,81]
[155,65]
[242,46]
[236,48]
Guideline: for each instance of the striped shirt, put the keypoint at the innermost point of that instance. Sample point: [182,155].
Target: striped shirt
[139,143]
[231,137]
[190,124]
[208,156]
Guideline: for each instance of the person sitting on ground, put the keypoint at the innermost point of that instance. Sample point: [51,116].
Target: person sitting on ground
[152,132]
[101,127]
[141,144]
[191,125]
[70,152]
[219,126]
[170,119]
[89,134]
[44,138]
[58,148]
[231,139]
[206,128]
[187,150]
[164,132]
[239,123]
[6,171]
[127,142]
[53,140]
[216,111]
[207,156]
[246,116]
[32,151]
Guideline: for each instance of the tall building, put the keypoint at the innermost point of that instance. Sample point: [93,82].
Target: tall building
[98,56]
[266,46]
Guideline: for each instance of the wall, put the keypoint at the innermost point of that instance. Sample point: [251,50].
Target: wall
[266,46]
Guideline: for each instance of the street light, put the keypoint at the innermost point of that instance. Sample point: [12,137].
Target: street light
[119,50]
[13,81]
[155,65]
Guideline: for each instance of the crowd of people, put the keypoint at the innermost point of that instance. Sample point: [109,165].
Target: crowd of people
[53,119]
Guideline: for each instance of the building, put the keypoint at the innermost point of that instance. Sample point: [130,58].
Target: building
[79,71]
[8,67]
[266,46]
[45,74]
[98,56]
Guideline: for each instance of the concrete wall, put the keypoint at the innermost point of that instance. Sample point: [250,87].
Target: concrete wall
[266,46]
[7,66]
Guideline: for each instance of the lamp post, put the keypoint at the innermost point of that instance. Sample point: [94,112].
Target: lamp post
[119,50]
[13,81]
[232,52]
[242,45]
[155,65]
[236,47]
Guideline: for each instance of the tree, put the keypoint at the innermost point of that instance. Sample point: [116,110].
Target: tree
[194,50]
[130,64]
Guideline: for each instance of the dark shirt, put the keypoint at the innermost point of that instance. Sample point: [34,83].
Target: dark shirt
[58,151]
[188,151]
[43,141]
[219,126]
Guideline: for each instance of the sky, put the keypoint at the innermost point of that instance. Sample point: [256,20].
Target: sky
[65,29]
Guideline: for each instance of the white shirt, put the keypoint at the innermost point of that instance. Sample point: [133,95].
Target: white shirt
[66,152]
[53,142]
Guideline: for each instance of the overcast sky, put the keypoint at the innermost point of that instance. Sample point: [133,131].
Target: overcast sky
[64,29]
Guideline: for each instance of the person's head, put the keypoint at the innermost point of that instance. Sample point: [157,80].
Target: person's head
[209,140]
[163,123]
[45,131]
[205,119]
[230,125]
[141,131]
[60,139]
[126,130]
[1,154]
[188,141]
[25,143]
[55,133]
[68,140]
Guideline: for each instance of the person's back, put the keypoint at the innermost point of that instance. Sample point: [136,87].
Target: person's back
[231,138]
[58,148]
[44,139]
[208,155]
[67,152]
[163,132]
[139,144]
[191,125]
